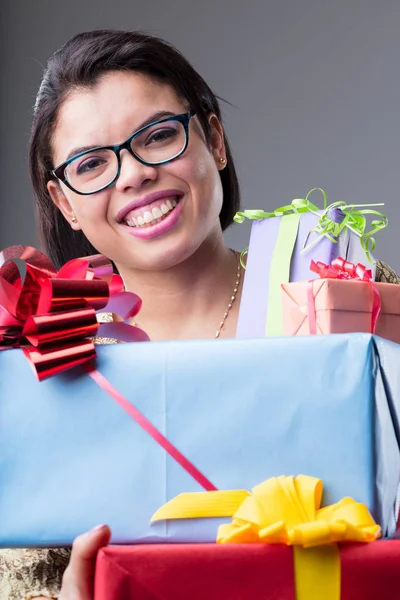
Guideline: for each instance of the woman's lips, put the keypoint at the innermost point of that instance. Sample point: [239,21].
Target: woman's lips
[160,225]
[145,201]
[151,213]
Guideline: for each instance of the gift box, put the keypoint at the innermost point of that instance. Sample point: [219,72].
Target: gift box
[340,306]
[239,572]
[282,244]
[186,416]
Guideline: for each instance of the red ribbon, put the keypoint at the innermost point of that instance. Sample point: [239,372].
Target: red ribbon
[51,316]
[149,427]
[342,269]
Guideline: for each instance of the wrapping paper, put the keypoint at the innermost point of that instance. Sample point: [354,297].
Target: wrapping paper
[341,307]
[240,410]
[237,572]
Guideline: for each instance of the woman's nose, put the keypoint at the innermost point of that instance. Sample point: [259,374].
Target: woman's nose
[133,174]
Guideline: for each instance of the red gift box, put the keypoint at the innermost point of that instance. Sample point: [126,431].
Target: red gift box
[237,572]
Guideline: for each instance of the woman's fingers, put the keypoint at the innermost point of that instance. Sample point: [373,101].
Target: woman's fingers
[78,580]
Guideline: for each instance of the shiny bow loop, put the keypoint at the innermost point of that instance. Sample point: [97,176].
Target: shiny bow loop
[52,315]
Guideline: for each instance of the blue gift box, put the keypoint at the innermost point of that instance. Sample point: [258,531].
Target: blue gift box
[240,410]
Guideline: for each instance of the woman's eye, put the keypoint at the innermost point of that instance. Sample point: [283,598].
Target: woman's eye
[90,164]
[161,135]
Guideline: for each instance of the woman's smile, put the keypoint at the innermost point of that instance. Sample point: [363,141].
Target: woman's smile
[154,219]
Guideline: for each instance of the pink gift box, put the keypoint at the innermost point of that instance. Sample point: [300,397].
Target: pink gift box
[341,306]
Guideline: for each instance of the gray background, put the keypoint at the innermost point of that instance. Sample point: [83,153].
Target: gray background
[315,87]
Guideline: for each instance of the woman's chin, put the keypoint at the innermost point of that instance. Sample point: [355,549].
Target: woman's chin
[164,257]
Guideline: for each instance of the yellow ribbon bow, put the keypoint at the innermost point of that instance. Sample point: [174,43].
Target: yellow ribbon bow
[285,510]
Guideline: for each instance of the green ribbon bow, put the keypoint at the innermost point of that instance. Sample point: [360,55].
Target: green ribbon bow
[354,220]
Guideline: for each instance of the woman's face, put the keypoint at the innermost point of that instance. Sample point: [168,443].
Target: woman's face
[107,115]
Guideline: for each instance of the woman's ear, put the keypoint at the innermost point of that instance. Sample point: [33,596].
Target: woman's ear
[217,142]
[63,204]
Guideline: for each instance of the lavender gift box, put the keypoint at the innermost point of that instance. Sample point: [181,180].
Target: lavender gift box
[257,318]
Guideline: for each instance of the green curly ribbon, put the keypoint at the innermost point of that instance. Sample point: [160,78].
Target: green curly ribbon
[354,220]
[242,256]
[299,205]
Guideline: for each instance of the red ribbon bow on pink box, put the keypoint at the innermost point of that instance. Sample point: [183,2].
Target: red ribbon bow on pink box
[342,269]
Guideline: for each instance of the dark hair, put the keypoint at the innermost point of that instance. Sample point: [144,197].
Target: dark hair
[80,63]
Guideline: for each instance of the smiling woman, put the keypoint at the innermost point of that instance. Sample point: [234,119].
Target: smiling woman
[129,158]
[135,88]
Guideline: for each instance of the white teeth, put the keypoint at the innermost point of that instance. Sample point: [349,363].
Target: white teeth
[153,216]
[156,213]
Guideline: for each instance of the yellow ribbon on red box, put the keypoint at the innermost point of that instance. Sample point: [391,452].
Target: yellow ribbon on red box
[285,510]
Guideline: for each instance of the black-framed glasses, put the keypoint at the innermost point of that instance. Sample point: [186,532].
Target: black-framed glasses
[155,144]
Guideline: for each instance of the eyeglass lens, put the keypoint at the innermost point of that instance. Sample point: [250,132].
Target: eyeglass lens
[156,144]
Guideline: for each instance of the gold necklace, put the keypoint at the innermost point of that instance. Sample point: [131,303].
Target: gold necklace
[233,297]
[231,301]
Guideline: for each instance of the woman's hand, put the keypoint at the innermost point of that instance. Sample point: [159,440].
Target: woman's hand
[78,580]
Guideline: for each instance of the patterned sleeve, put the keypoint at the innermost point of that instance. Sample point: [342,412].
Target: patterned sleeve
[29,573]
[102,341]
[385,274]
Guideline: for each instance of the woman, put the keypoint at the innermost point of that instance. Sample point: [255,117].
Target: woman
[156,204]
[128,157]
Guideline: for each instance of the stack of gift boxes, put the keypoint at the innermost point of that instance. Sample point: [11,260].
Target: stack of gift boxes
[266,466]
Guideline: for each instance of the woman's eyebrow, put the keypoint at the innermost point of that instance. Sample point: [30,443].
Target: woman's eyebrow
[80,149]
[162,114]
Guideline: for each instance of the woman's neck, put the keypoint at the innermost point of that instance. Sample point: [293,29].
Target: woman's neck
[189,300]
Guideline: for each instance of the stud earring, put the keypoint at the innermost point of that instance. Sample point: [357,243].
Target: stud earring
[74,219]
[222,160]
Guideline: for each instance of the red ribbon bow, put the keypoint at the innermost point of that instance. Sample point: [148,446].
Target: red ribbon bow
[52,315]
[342,269]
